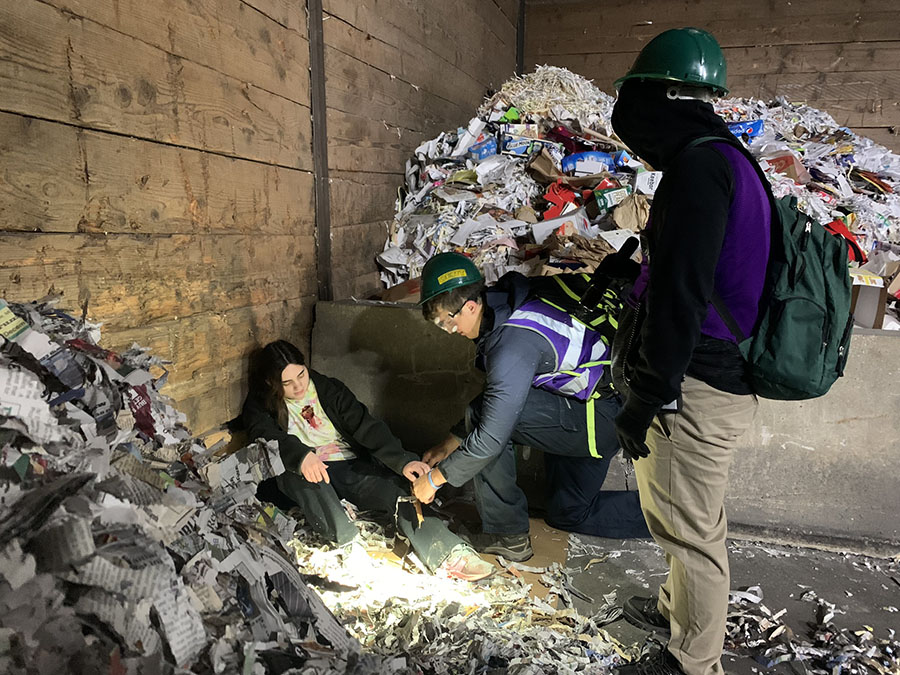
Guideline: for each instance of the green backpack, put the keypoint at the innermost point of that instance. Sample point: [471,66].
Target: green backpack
[802,339]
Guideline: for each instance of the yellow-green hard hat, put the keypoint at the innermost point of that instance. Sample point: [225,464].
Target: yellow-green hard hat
[688,55]
[447,271]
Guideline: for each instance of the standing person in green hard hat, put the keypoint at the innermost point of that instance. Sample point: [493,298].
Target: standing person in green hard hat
[675,358]
[547,386]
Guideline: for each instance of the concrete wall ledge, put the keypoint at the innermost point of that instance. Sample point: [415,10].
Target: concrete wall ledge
[828,467]
[822,471]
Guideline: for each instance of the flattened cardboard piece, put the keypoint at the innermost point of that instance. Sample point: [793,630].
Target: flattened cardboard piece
[868,300]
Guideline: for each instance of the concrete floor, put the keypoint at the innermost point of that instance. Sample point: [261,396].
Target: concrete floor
[866,589]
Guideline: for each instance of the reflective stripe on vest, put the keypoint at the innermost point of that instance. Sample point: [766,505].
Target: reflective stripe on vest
[581,354]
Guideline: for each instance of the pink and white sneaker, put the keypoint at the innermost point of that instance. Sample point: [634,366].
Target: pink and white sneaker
[463,563]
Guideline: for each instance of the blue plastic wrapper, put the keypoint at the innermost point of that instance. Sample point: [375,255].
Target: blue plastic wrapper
[484,149]
[751,129]
[592,159]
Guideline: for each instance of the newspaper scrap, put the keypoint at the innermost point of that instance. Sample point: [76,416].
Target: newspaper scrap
[497,188]
[128,546]
[755,628]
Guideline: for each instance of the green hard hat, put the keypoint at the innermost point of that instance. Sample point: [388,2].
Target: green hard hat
[447,271]
[687,55]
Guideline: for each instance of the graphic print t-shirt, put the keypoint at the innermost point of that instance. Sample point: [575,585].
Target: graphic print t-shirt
[308,422]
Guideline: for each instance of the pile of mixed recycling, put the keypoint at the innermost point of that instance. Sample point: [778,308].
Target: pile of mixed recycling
[538,183]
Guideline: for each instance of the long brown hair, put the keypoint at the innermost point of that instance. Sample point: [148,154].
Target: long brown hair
[266,366]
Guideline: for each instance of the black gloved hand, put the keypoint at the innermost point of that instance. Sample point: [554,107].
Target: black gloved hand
[619,265]
[632,424]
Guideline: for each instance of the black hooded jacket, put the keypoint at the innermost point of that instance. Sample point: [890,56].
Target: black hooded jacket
[366,435]
[688,224]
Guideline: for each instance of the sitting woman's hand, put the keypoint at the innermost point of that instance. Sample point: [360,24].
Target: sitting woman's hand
[314,469]
[415,469]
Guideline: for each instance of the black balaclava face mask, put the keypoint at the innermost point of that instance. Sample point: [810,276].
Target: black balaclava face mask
[657,127]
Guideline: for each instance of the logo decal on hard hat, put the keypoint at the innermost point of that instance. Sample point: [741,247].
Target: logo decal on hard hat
[445,272]
[452,274]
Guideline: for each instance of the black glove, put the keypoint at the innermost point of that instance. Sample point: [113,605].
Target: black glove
[615,266]
[619,265]
[631,428]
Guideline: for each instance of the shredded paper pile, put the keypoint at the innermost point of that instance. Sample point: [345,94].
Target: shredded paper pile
[445,627]
[753,627]
[538,183]
[127,546]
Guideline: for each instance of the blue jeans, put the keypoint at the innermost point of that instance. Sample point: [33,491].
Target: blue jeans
[558,426]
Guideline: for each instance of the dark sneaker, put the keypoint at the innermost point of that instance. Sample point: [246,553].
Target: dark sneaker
[657,663]
[515,547]
[642,612]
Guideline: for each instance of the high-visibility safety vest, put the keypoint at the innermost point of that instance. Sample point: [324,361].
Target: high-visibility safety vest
[582,354]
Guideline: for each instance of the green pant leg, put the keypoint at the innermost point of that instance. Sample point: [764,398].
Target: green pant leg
[431,540]
[320,505]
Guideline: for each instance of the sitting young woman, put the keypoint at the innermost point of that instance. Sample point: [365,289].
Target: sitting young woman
[329,444]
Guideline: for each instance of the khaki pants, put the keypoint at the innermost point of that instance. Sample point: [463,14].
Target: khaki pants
[682,487]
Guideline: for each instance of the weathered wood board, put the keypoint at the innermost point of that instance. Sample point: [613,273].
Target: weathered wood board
[65,68]
[837,55]
[60,178]
[155,165]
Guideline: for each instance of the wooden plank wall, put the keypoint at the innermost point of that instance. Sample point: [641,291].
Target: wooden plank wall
[842,56]
[399,72]
[155,163]
[155,160]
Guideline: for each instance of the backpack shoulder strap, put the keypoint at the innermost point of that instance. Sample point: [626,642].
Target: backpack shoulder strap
[735,143]
[706,139]
[727,317]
